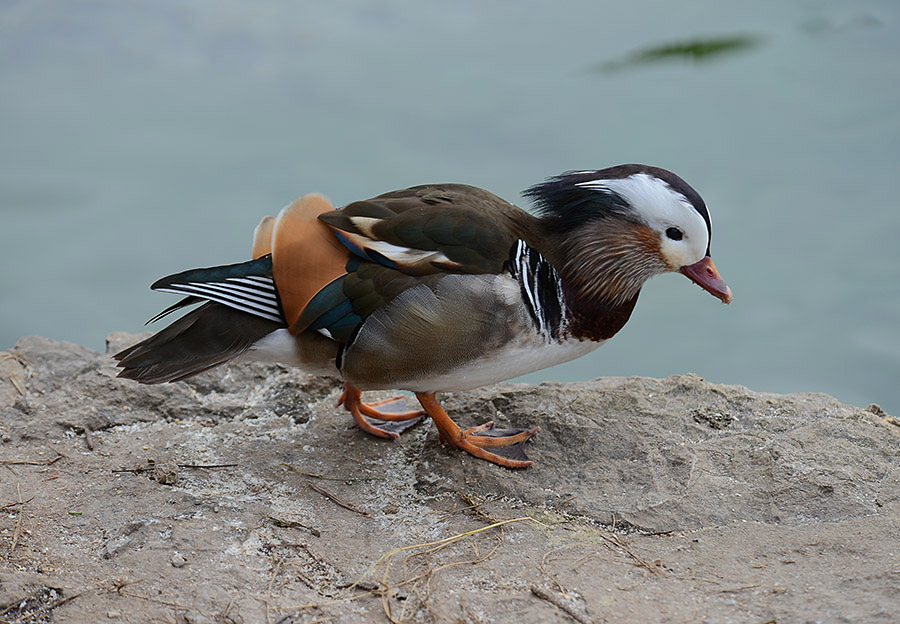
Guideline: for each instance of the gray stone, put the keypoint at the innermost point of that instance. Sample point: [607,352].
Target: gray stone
[650,500]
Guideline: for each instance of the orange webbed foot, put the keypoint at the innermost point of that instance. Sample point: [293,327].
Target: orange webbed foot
[388,422]
[506,445]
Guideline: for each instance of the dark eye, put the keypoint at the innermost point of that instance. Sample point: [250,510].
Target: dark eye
[674,233]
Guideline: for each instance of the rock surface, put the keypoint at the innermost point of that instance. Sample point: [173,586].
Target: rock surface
[243,495]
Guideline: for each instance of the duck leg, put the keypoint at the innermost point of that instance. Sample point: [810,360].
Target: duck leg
[389,422]
[505,444]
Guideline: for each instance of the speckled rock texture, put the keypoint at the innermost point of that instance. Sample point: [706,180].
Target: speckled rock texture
[243,495]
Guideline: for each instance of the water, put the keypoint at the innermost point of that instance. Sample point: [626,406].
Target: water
[143,138]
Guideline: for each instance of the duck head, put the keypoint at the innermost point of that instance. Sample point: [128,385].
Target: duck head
[620,226]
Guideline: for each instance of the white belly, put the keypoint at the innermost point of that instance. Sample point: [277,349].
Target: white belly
[513,360]
[310,351]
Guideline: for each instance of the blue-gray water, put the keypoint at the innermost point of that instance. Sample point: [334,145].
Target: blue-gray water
[142,138]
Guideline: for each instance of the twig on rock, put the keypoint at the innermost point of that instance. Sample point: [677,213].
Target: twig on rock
[19,513]
[30,462]
[293,524]
[316,475]
[195,466]
[475,507]
[335,499]
[560,603]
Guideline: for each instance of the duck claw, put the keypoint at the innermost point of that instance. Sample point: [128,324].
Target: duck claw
[506,445]
[395,427]
[390,421]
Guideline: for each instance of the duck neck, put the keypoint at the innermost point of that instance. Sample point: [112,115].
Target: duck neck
[603,267]
[596,319]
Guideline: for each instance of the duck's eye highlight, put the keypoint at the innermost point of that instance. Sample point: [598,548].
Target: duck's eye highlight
[674,233]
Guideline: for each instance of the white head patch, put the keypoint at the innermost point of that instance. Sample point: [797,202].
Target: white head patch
[661,207]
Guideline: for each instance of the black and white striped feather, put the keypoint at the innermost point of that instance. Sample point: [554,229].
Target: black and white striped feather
[248,287]
[541,289]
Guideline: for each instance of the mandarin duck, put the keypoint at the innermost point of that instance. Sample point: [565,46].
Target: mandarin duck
[437,288]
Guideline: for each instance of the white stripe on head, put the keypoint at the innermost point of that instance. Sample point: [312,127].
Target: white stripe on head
[660,206]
